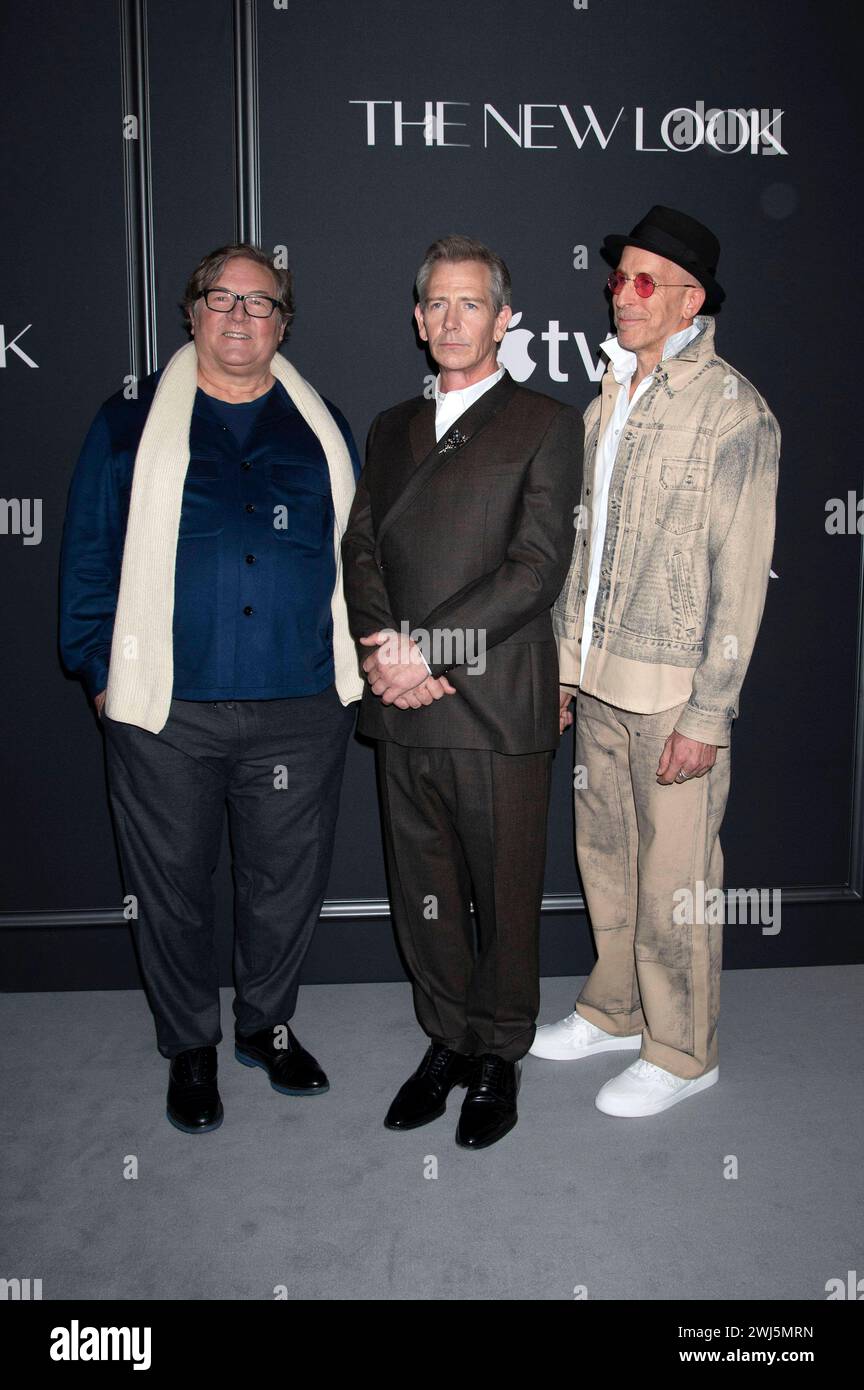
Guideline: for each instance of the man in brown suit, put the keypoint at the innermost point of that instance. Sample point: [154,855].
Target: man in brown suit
[457,545]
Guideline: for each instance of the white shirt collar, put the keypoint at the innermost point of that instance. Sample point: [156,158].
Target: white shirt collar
[468,393]
[623,361]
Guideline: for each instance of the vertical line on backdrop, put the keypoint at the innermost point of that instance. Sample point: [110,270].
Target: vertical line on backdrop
[137,189]
[856,844]
[247,176]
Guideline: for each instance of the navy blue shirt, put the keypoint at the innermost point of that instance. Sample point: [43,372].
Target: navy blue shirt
[255,566]
[239,416]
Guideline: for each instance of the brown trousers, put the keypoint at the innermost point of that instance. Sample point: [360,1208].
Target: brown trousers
[463,825]
[638,844]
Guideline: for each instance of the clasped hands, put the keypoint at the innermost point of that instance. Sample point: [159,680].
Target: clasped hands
[397,673]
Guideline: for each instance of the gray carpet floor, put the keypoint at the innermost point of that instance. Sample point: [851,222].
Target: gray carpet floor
[312,1197]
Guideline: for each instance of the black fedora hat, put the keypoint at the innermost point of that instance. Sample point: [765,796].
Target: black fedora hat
[679,238]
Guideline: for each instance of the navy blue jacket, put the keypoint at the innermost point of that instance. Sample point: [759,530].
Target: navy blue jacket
[255,564]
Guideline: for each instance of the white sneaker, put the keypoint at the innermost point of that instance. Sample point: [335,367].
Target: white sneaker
[575,1037]
[645,1089]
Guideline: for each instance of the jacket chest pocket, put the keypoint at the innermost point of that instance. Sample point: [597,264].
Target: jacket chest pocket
[201,510]
[682,496]
[300,504]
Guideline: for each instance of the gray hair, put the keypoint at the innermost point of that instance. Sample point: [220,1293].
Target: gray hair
[465,248]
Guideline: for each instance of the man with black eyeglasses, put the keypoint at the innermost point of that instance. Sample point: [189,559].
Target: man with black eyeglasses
[201,606]
[656,626]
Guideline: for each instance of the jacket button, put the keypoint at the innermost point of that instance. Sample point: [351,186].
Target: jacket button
[248,611]
[250,506]
[250,559]
[246,465]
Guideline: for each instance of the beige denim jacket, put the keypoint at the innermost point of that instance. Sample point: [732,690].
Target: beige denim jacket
[687,553]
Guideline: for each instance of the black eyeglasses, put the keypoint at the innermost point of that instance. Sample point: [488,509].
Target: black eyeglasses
[258,306]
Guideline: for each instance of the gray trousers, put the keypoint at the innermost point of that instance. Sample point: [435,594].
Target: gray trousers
[278,765]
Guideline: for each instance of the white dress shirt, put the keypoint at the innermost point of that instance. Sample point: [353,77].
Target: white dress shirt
[624,364]
[449,405]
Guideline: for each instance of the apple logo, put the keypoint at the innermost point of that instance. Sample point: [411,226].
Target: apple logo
[513,351]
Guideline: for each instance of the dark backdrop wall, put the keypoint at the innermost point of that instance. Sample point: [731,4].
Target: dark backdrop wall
[142,135]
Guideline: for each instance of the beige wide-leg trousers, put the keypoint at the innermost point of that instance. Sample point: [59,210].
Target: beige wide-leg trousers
[638,845]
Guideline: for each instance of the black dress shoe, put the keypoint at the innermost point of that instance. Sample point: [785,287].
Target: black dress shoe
[489,1108]
[193,1097]
[292,1070]
[423,1097]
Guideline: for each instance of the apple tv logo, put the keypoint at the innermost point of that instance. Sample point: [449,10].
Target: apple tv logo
[514,355]
[513,350]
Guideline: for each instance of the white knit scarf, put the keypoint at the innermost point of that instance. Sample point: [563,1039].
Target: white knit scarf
[141,673]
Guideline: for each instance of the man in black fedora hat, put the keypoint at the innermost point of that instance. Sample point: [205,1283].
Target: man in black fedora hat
[656,626]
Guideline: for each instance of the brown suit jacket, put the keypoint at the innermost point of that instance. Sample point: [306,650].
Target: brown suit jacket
[472,535]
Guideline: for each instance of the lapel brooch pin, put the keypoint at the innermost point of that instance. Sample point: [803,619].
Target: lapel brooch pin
[454,440]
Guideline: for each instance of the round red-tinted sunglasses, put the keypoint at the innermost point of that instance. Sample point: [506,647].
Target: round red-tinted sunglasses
[643,284]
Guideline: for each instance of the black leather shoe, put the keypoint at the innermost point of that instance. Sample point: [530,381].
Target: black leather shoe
[423,1097]
[193,1097]
[489,1108]
[292,1070]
